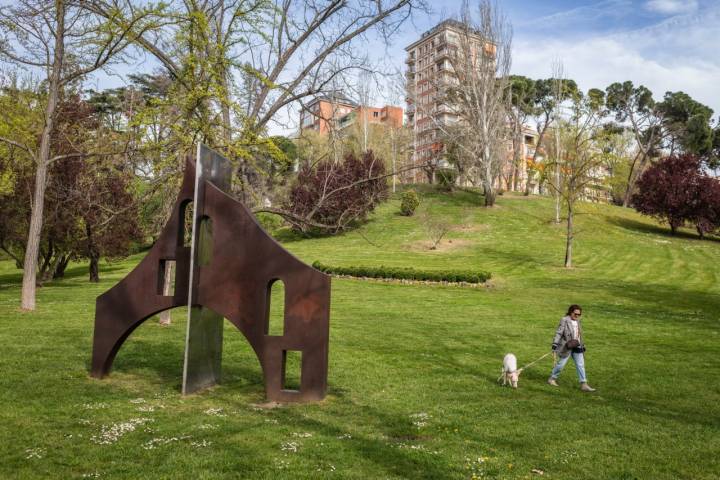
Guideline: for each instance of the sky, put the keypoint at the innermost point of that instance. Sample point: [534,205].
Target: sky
[666,45]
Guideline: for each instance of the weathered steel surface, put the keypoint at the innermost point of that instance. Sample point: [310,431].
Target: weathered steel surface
[234,282]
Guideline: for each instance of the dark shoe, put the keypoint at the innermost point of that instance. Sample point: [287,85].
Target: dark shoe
[551,381]
[586,388]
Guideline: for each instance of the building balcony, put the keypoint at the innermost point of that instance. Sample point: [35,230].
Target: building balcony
[410,60]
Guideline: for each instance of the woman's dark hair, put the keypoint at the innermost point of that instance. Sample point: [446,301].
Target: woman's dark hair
[572,308]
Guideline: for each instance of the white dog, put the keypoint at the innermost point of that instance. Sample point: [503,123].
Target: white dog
[510,372]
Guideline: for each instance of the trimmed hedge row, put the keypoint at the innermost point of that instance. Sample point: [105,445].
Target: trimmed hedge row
[405,273]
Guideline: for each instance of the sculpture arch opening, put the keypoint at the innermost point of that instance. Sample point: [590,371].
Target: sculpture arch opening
[275,315]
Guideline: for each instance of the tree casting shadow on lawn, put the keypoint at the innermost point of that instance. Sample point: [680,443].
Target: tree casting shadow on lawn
[641,227]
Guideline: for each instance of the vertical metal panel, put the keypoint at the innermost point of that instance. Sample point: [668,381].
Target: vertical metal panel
[203,342]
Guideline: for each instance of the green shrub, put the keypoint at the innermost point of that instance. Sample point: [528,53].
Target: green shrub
[406,273]
[446,178]
[409,201]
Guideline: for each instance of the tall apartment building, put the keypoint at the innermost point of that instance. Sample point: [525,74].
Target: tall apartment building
[428,71]
[339,112]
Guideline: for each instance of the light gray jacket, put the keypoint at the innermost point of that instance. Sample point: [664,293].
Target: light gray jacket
[563,334]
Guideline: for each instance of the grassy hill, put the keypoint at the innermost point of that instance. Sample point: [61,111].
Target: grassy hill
[413,368]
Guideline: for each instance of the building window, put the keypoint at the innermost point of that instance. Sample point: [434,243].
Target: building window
[376,114]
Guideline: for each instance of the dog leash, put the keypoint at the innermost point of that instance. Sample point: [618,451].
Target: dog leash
[533,363]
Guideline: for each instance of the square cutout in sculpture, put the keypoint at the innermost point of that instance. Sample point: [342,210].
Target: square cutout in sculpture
[292,370]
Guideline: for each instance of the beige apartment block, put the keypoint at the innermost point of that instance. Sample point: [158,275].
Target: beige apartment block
[428,72]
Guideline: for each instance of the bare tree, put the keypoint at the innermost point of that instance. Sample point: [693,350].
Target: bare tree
[580,160]
[259,56]
[62,43]
[476,94]
[436,226]
[558,97]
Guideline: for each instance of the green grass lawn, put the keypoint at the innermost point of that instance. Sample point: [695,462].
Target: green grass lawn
[413,369]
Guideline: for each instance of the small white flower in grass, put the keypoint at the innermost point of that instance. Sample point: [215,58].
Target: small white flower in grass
[201,443]
[95,406]
[85,421]
[291,447]
[155,442]
[34,453]
[420,419]
[207,426]
[146,408]
[330,468]
[137,400]
[302,435]
[344,436]
[216,412]
[91,475]
[111,433]
[281,464]
[271,420]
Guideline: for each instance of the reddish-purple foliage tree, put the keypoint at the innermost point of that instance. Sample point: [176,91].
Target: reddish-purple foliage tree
[676,191]
[707,214]
[90,210]
[96,212]
[330,197]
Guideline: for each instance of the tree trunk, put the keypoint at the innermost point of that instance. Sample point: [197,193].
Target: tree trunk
[27,301]
[93,255]
[538,143]
[517,155]
[632,178]
[61,266]
[568,243]
[46,269]
[490,193]
[488,177]
[557,175]
[165,316]
[94,267]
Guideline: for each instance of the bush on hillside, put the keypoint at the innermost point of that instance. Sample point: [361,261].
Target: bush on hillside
[409,202]
[331,197]
[406,273]
[446,178]
[675,190]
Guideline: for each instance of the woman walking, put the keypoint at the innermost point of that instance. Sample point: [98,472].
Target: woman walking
[568,342]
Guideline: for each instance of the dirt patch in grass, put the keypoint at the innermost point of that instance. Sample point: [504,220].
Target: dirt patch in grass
[471,228]
[448,245]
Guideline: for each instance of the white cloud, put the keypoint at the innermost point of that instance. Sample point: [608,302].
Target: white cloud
[676,54]
[671,7]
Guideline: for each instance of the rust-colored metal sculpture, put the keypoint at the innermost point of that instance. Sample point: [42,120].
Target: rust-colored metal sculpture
[227,272]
